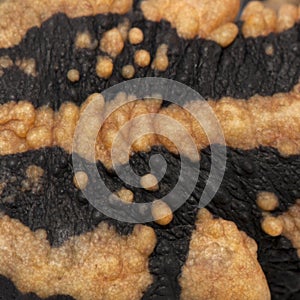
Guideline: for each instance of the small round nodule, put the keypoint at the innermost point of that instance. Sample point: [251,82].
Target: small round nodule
[73,75]
[135,36]
[161,212]
[125,195]
[128,71]
[272,226]
[142,58]
[267,201]
[80,180]
[149,182]
[104,67]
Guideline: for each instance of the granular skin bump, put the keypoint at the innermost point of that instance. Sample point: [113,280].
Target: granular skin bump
[272,226]
[112,42]
[125,195]
[128,71]
[225,34]
[84,41]
[261,19]
[5,62]
[142,58]
[267,201]
[161,61]
[149,182]
[73,75]
[104,67]
[28,66]
[81,180]
[135,36]
[291,225]
[161,212]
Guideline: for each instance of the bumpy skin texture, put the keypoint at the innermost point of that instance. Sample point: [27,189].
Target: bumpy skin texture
[260,121]
[247,174]
[96,265]
[217,247]
[18,16]
[240,70]
[192,18]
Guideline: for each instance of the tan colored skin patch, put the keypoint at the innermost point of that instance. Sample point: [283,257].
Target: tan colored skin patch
[262,18]
[125,195]
[33,178]
[81,180]
[287,224]
[161,61]
[28,66]
[17,16]
[291,225]
[149,182]
[269,50]
[267,201]
[42,131]
[192,18]
[246,124]
[96,265]
[84,41]
[225,34]
[222,263]
[5,62]
[34,173]
[271,225]
[124,28]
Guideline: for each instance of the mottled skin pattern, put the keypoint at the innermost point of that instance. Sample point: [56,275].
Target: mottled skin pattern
[247,174]
[241,70]
[244,68]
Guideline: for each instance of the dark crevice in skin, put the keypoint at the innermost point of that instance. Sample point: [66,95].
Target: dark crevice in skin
[240,70]
[10,292]
[59,208]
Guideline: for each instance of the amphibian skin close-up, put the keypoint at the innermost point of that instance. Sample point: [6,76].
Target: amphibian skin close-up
[83,88]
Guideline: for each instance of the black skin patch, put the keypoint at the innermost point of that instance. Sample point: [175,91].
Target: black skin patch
[239,71]
[247,173]
[10,292]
